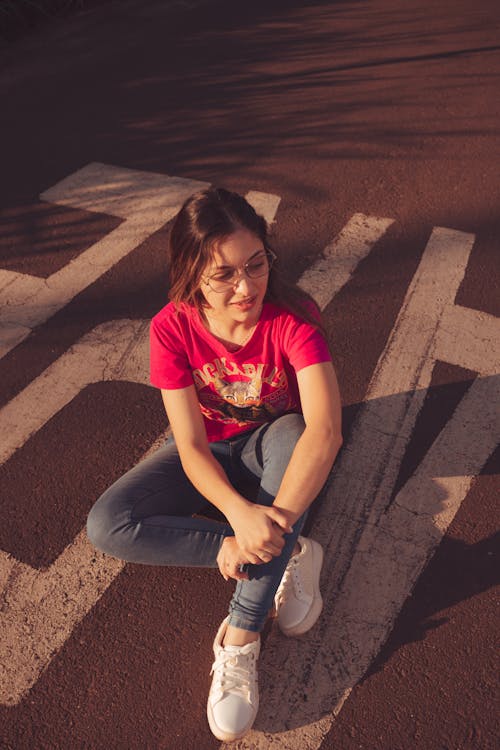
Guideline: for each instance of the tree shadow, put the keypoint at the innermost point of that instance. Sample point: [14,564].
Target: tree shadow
[41,238]
[235,87]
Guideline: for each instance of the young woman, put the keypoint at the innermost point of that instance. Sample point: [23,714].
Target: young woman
[250,393]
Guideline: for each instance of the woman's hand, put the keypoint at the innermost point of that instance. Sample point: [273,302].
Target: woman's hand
[259,531]
[229,560]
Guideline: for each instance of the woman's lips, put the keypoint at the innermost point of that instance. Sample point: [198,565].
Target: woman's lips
[245,304]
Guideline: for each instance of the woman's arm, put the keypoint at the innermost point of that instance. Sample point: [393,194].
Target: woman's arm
[317,447]
[258,529]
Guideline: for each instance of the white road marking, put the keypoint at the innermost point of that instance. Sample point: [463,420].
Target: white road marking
[329,273]
[32,628]
[266,204]
[117,350]
[469,338]
[375,549]
[146,202]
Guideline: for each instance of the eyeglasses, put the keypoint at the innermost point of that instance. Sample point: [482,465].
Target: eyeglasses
[227,278]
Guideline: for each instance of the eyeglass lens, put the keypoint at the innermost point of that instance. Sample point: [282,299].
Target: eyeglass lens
[255,268]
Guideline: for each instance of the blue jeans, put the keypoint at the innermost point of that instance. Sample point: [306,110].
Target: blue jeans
[147,515]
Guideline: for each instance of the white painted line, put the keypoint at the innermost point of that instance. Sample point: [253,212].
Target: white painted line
[123,192]
[145,200]
[329,273]
[42,607]
[266,204]
[10,277]
[376,549]
[470,339]
[391,554]
[118,350]
[405,368]
[12,333]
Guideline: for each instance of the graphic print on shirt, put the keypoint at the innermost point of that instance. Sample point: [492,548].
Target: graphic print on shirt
[242,400]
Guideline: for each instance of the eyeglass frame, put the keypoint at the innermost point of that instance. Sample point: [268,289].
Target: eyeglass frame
[271,259]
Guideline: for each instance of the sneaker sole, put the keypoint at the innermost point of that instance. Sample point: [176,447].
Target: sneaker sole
[317,605]
[228,736]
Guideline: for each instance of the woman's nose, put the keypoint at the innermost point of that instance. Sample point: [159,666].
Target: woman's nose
[242,283]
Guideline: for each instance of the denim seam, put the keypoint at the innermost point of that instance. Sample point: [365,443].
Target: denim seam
[223,532]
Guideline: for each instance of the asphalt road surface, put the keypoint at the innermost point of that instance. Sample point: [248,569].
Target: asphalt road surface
[368,134]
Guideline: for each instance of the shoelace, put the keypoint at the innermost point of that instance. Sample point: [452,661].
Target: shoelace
[233,672]
[291,577]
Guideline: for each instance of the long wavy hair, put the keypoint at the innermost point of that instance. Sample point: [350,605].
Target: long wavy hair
[205,219]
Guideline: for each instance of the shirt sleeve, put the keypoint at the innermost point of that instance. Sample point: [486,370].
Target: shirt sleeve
[304,344]
[169,364]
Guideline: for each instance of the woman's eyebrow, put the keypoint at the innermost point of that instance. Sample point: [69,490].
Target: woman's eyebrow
[257,252]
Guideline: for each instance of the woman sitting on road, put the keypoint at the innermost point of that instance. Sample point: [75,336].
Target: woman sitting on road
[250,393]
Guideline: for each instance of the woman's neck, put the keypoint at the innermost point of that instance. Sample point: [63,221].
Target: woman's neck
[232,333]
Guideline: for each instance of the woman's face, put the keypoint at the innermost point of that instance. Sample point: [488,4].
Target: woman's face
[242,301]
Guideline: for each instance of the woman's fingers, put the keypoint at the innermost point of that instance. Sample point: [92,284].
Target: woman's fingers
[269,545]
[234,571]
[230,562]
[256,545]
[253,558]
[279,518]
[266,557]
[240,575]
[269,551]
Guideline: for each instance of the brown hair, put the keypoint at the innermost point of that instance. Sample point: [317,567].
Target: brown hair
[205,219]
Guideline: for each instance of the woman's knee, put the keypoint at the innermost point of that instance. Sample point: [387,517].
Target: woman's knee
[277,447]
[291,425]
[282,437]
[103,522]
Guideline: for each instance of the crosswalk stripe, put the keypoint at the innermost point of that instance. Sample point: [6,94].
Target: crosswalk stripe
[34,628]
[470,339]
[333,269]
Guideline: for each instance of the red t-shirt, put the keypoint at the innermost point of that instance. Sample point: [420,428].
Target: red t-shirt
[237,390]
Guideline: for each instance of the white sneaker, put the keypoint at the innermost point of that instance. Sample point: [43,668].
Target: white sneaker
[298,599]
[233,700]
